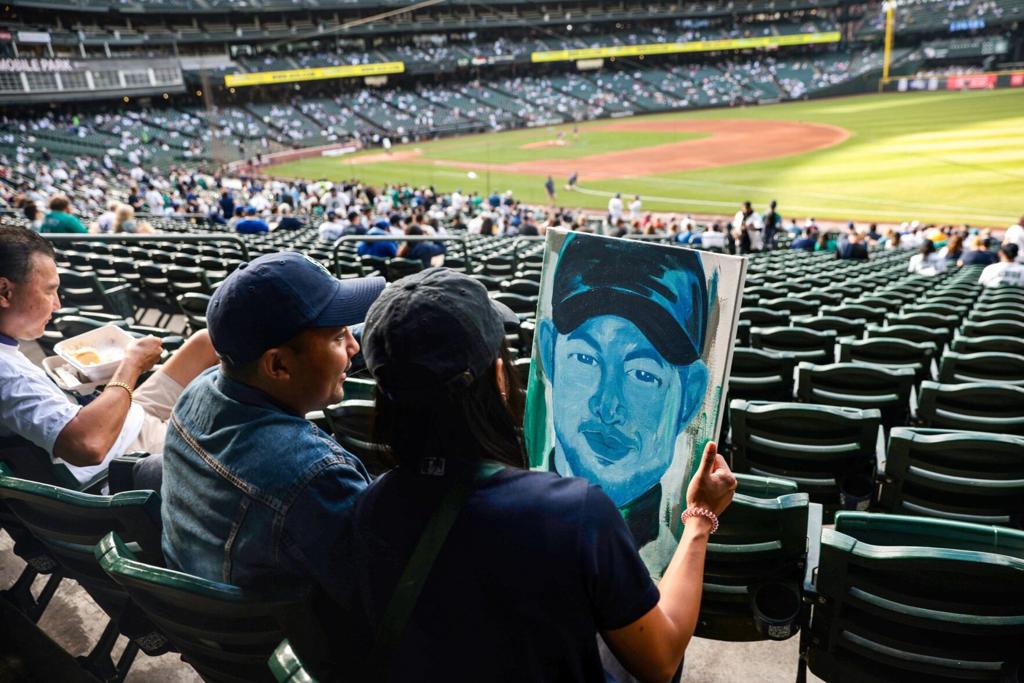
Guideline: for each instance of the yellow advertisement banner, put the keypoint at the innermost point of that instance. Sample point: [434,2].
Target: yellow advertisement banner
[313,74]
[694,46]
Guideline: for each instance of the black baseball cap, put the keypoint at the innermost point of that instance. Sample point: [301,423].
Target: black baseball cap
[662,290]
[435,328]
[269,300]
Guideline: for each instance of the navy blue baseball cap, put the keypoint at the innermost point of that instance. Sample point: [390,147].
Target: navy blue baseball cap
[269,300]
[436,328]
[662,290]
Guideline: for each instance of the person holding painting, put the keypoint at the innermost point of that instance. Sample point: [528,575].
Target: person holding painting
[464,565]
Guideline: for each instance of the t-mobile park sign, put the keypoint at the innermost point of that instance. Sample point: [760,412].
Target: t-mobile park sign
[18,65]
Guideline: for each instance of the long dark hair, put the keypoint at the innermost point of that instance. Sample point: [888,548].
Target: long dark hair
[475,423]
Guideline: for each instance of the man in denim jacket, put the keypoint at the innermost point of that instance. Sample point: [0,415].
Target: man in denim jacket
[253,492]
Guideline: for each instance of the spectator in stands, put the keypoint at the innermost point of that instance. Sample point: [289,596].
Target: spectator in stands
[853,247]
[60,219]
[615,209]
[253,493]
[227,205]
[31,212]
[237,218]
[978,254]
[422,251]
[805,242]
[1008,272]
[155,201]
[772,222]
[635,208]
[954,248]
[252,223]
[746,225]
[105,221]
[826,241]
[332,228]
[123,418]
[354,225]
[379,248]
[927,260]
[124,221]
[715,238]
[451,422]
[873,236]
[286,220]
[1015,235]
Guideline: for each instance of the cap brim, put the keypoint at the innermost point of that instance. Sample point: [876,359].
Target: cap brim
[352,299]
[508,317]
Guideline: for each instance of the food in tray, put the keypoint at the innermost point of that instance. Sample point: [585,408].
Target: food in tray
[87,356]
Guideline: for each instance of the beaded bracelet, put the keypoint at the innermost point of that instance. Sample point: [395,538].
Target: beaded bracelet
[701,512]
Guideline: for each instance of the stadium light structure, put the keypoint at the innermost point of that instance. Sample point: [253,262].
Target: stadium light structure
[890,30]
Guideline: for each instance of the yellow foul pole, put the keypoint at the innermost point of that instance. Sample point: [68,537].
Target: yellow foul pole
[890,25]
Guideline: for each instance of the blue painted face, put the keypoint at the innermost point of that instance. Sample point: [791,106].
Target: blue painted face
[618,405]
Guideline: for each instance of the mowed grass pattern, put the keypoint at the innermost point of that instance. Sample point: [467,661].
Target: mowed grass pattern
[936,157]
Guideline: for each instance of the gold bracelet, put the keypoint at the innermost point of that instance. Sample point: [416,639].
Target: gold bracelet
[131,396]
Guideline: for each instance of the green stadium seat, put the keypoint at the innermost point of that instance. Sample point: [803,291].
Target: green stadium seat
[989,366]
[823,298]
[69,524]
[984,407]
[359,388]
[871,314]
[991,343]
[892,353]
[805,344]
[815,446]
[878,303]
[522,305]
[999,313]
[1003,328]
[915,333]
[791,305]
[193,306]
[939,309]
[762,539]
[226,633]
[914,599]
[843,327]
[924,320]
[967,476]
[286,666]
[764,317]
[858,385]
[352,425]
[399,267]
[756,374]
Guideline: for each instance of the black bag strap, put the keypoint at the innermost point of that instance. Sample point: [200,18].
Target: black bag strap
[413,578]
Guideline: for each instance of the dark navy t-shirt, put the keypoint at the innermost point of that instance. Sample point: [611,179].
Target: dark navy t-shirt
[534,566]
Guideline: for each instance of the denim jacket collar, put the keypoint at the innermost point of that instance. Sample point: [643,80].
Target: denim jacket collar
[245,393]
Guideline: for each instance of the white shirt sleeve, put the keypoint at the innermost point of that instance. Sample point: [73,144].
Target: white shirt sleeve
[31,405]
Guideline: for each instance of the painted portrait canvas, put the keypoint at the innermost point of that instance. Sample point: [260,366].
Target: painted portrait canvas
[628,380]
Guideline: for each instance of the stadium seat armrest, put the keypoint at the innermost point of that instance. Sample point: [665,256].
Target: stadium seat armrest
[880,451]
[96,484]
[814,516]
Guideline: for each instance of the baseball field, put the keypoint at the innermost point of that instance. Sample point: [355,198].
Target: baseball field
[953,157]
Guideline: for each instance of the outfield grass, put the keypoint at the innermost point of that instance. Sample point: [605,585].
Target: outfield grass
[937,157]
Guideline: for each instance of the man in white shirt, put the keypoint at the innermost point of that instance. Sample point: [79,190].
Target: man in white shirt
[155,201]
[635,208]
[332,228]
[1015,235]
[615,209]
[122,418]
[1006,272]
